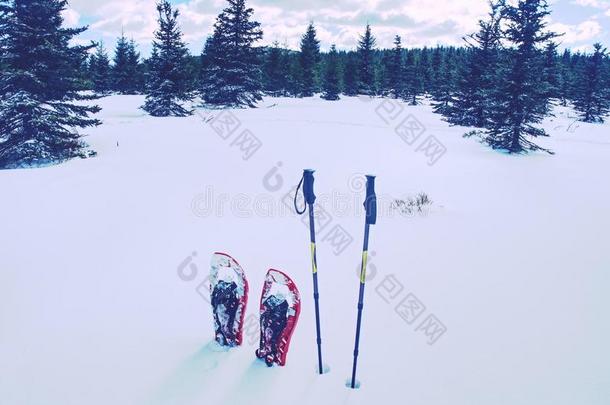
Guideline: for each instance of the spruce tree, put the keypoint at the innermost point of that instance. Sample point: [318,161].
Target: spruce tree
[350,75]
[443,94]
[167,81]
[424,70]
[331,76]
[366,47]
[39,84]
[309,59]
[550,78]
[126,67]
[592,95]
[436,71]
[209,69]
[99,70]
[133,57]
[566,78]
[276,71]
[519,94]
[394,70]
[412,79]
[233,77]
[295,74]
[478,78]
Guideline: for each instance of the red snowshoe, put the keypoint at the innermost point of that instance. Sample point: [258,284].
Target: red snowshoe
[279,312]
[229,297]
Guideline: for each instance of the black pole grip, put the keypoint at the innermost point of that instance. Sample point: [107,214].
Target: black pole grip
[308,180]
[370,203]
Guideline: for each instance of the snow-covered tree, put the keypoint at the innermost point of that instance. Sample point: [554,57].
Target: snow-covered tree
[366,47]
[168,83]
[592,94]
[99,70]
[233,76]
[309,59]
[394,69]
[478,78]
[39,83]
[331,85]
[126,67]
[518,92]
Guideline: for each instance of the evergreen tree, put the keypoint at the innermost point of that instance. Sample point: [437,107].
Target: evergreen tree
[350,75]
[478,78]
[519,94]
[39,84]
[309,59]
[592,96]
[424,70]
[566,78]
[208,57]
[331,76]
[437,71]
[394,70]
[276,71]
[133,60]
[167,82]
[412,80]
[295,74]
[99,70]
[443,94]
[550,76]
[126,67]
[366,47]
[233,76]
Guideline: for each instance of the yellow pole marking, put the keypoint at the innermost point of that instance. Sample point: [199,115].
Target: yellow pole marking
[314,267]
[365,255]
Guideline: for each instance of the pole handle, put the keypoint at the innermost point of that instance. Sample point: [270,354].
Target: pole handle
[307,183]
[370,203]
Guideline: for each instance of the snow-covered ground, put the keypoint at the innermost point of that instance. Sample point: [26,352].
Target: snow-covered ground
[507,274]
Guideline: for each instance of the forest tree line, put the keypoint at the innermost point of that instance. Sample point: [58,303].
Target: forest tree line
[503,81]
[440,72]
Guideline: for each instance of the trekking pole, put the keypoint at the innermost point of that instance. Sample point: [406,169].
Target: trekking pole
[370,206]
[310,198]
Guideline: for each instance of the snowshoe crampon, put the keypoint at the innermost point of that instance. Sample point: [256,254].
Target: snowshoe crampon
[279,312]
[229,297]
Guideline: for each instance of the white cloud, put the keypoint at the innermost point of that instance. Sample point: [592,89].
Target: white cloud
[71,17]
[603,4]
[419,22]
[583,32]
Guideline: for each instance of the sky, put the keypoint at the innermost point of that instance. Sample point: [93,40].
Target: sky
[418,22]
